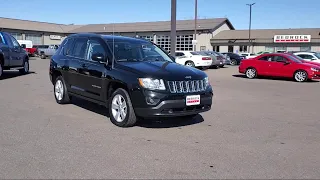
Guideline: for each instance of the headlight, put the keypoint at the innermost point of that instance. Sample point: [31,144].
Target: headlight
[153,84]
[314,69]
[206,82]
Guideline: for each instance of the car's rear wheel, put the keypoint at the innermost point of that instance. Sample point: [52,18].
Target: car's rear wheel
[300,76]
[251,73]
[190,64]
[43,56]
[233,62]
[60,91]
[121,109]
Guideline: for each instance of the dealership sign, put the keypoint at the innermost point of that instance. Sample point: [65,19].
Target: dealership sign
[292,38]
[55,37]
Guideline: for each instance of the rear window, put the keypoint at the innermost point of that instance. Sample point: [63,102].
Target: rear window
[194,53]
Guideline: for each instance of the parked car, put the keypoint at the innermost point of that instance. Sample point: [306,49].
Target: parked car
[262,52]
[193,59]
[225,59]
[216,62]
[47,50]
[12,54]
[115,72]
[28,46]
[279,65]
[305,61]
[248,55]
[235,59]
[309,56]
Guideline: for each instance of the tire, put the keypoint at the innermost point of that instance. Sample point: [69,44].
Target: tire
[43,56]
[60,91]
[300,76]
[119,98]
[190,64]
[221,66]
[25,69]
[251,73]
[233,62]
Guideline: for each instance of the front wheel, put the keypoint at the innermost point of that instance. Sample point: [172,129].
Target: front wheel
[25,68]
[251,73]
[60,91]
[121,110]
[190,64]
[301,76]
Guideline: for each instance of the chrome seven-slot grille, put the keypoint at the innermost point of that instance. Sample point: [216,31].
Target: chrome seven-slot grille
[186,86]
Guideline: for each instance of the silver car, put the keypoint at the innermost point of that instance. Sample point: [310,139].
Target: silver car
[215,61]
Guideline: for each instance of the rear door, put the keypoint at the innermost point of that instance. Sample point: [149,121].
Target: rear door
[263,65]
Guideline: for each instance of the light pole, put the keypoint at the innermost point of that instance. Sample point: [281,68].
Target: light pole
[173,34]
[195,23]
[250,25]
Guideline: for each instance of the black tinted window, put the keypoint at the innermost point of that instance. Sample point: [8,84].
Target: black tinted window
[264,58]
[278,59]
[95,47]
[67,46]
[79,48]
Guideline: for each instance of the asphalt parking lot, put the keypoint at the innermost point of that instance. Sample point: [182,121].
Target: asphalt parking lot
[260,128]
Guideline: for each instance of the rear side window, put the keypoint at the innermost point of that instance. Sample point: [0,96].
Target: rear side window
[79,48]
[67,46]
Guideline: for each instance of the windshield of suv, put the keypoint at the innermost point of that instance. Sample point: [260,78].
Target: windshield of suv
[295,58]
[137,51]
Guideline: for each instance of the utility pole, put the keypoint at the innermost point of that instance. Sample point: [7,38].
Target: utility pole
[250,26]
[195,23]
[173,34]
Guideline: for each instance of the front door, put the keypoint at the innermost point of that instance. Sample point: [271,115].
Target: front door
[94,73]
[279,67]
[16,52]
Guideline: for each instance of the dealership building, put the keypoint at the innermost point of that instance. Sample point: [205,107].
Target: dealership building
[271,40]
[212,34]
[158,32]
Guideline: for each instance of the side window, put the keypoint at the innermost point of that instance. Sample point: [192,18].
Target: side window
[2,39]
[68,46]
[80,48]
[301,55]
[307,56]
[264,58]
[15,42]
[95,47]
[278,59]
[7,40]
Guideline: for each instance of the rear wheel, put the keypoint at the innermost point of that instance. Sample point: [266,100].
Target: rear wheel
[121,109]
[1,70]
[43,56]
[251,73]
[190,64]
[301,76]
[233,62]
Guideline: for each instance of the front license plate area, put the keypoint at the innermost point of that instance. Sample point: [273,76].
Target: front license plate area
[193,100]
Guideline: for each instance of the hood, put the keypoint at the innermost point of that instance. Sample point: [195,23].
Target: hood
[162,70]
[312,63]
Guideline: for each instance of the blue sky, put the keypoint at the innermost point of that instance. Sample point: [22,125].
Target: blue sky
[265,13]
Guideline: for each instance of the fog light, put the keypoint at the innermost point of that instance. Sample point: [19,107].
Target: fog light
[152,101]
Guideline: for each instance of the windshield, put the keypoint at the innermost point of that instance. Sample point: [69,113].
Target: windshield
[317,55]
[201,53]
[137,51]
[194,53]
[295,58]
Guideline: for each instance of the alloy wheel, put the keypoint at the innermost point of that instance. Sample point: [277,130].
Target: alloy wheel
[300,76]
[26,66]
[251,73]
[119,108]
[59,90]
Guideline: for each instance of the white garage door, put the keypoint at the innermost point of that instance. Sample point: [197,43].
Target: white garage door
[35,38]
[18,36]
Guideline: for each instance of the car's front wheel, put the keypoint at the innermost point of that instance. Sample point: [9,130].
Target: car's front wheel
[251,73]
[233,62]
[121,109]
[301,76]
[60,91]
[25,68]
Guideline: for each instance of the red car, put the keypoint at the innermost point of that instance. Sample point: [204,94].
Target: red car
[279,65]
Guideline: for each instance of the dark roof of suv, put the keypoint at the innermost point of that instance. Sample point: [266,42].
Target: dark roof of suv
[108,37]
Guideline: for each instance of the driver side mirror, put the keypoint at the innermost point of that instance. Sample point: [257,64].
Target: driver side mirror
[99,57]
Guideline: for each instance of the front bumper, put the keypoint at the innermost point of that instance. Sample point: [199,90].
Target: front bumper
[172,105]
[314,75]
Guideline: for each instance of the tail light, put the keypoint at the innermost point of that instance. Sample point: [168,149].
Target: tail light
[206,58]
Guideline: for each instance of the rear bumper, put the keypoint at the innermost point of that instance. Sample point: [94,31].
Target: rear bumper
[173,108]
[203,63]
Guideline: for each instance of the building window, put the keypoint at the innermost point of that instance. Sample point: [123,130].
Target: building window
[17,36]
[35,38]
[216,48]
[269,49]
[230,48]
[149,38]
[280,49]
[305,48]
[184,42]
[202,48]
[243,48]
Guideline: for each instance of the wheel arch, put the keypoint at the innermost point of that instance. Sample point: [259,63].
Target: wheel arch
[55,75]
[189,60]
[113,86]
[1,59]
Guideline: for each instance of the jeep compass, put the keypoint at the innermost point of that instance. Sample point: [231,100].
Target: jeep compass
[132,77]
